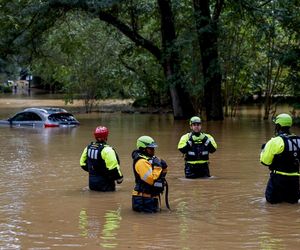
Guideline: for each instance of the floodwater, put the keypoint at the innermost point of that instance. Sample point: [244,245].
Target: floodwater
[45,202]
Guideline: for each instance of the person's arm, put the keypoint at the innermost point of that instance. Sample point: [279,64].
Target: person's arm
[272,147]
[109,156]
[83,160]
[164,167]
[156,162]
[184,143]
[211,143]
[145,171]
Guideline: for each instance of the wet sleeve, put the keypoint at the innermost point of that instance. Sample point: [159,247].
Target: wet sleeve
[144,170]
[273,147]
[111,161]
[183,147]
[212,145]
[83,160]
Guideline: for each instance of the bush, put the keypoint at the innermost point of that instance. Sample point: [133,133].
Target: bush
[5,89]
[142,102]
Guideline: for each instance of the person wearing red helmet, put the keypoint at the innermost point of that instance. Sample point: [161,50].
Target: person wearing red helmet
[102,163]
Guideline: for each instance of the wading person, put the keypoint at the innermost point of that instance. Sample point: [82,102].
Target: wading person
[282,155]
[149,172]
[101,162]
[196,147]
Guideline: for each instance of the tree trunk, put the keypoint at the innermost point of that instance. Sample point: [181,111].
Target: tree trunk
[208,41]
[181,102]
[167,57]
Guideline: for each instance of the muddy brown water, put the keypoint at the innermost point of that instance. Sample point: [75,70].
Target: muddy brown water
[45,202]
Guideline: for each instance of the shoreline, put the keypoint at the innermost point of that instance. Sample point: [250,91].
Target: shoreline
[102,106]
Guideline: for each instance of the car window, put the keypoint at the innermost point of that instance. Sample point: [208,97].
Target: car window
[34,117]
[27,116]
[61,117]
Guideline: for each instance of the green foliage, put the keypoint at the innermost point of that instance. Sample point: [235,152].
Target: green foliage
[75,52]
[5,89]
[255,51]
[89,61]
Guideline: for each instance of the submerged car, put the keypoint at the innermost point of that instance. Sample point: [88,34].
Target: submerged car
[41,117]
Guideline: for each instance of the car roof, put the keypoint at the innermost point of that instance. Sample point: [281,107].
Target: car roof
[46,110]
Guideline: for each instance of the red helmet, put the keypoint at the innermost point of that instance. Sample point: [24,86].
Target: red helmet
[101,133]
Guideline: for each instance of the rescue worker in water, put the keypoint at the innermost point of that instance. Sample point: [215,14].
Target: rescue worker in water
[282,155]
[101,162]
[196,147]
[149,172]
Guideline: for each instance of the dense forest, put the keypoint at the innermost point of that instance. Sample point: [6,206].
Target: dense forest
[198,57]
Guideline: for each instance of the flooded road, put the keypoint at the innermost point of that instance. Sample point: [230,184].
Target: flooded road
[45,202]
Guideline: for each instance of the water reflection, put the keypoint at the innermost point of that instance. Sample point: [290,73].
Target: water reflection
[92,226]
[83,222]
[183,223]
[112,222]
[14,175]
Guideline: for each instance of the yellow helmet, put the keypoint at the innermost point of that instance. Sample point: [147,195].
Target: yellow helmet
[284,120]
[145,142]
[195,119]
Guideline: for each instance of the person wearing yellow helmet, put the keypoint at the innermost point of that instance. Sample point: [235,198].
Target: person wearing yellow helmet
[196,147]
[102,163]
[282,155]
[149,172]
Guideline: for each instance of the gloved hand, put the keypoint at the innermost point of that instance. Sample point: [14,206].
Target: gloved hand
[163,164]
[190,140]
[85,168]
[119,181]
[155,161]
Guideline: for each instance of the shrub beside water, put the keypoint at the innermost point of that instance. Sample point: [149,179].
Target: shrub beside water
[5,89]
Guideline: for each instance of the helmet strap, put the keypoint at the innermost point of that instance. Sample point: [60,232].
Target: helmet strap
[101,140]
[281,130]
[142,150]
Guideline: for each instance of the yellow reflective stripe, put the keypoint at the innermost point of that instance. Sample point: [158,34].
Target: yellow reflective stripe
[136,193]
[285,173]
[195,162]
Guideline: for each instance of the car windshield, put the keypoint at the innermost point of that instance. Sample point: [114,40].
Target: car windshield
[61,117]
